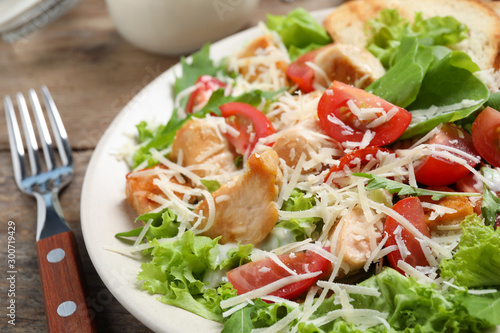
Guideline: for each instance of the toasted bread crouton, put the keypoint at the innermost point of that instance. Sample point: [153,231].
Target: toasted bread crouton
[346,23]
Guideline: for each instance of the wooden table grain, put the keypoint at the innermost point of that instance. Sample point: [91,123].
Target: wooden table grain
[92,73]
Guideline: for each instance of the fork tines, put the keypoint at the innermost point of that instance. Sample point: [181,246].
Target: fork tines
[16,142]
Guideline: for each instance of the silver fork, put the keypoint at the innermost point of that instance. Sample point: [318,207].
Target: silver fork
[60,265]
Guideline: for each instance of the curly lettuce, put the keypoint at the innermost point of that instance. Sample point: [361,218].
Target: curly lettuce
[299,31]
[477,260]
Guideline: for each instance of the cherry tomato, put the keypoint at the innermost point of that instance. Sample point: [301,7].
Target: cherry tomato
[251,123]
[206,86]
[438,171]
[412,210]
[355,161]
[486,135]
[471,184]
[301,74]
[263,272]
[338,121]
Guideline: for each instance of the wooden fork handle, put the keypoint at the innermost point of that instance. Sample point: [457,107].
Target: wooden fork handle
[64,287]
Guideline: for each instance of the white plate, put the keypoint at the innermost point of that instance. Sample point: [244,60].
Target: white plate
[105,212]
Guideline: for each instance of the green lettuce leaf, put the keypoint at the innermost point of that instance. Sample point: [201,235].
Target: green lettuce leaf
[386,31]
[164,225]
[301,228]
[177,271]
[411,307]
[299,31]
[258,315]
[476,263]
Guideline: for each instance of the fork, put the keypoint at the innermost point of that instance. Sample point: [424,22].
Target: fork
[64,288]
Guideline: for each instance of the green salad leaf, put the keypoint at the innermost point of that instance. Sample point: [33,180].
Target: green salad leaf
[490,206]
[257,315]
[212,185]
[387,30]
[449,92]
[376,182]
[164,225]
[409,305]
[299,31]
[295,229]
[476,263]
[197,65]
[177,271]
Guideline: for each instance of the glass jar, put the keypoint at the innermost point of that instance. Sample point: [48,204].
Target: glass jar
[19,18]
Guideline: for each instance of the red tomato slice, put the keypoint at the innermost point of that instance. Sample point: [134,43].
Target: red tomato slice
[412,210]
[301,74]
[260,273]
[338,121]
[486,135]
[251,123]
[438,171]
[356,161]
[206,86]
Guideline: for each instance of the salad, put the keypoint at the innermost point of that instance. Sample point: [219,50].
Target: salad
[302,185]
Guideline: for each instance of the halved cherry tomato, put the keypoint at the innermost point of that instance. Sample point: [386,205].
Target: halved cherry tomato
[206,86]
[340,123]
[412,210]
[263,272]
[486,135]
[251,123]
[356,160]
[301,74]
[438,171]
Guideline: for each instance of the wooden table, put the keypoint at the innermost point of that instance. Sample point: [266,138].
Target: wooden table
[92,73]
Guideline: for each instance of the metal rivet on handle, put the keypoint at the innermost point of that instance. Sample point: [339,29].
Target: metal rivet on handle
[56,255]
[66,308]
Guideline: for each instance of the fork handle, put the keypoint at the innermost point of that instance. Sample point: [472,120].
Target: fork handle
[64,288]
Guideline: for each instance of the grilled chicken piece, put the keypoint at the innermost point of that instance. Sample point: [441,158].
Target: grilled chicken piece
[460,207]
[140,189]
[254,65]
[245,208]
[349,64]
[304,138]
[199,142]
[355,236]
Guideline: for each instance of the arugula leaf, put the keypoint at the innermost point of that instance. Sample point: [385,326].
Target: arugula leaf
[490,206]
[197,65]
[299,31]
[476,263]
[376,182]
[212,185]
